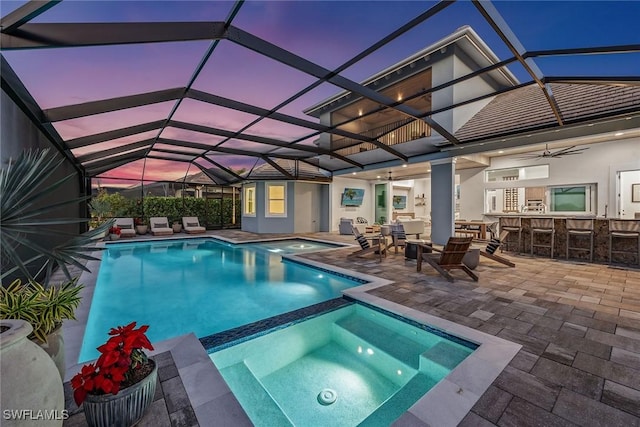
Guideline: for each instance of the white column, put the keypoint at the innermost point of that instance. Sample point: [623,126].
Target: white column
[443,181]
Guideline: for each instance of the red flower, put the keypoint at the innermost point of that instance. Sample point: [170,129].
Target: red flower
[115,230]
[119,358]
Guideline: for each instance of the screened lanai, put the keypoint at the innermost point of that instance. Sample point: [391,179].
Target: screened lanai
[191,99]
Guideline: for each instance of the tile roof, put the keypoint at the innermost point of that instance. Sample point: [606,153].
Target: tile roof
[526,108]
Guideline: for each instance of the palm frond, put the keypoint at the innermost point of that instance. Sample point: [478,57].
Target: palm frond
[26,216]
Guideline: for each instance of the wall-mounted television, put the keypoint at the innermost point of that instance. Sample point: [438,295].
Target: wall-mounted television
[399,202]
[352,196]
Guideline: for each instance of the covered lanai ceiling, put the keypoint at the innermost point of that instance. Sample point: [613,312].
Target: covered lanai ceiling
[159,90]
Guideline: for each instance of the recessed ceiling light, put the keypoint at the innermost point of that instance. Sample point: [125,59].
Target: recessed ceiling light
[501,151]
[428,170]
[590,124]
[619,133]
[353,173]
[404,166]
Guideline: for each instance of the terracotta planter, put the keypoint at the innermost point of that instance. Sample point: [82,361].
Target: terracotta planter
[123,409]
[54,347]
[142,229]
[30,380]
[114,236]
[177,227]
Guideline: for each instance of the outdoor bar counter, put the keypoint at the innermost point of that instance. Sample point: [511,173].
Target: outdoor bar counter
[600,240]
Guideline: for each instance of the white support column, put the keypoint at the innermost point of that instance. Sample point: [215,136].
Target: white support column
[443,181]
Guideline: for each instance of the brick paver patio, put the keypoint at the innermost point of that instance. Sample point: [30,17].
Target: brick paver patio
[579,325]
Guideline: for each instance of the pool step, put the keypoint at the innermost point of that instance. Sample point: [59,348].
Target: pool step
[396,345]
[440,359]
[253,397]
[400,402]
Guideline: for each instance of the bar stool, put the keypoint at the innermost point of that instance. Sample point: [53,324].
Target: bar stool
[624,229]
[512,225]
[542,226]
[579,228]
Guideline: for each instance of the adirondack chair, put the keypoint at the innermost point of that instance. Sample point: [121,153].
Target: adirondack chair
[378,247]
[450,258]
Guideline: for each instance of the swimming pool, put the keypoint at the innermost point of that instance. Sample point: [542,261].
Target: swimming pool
[350,366]
[198,285]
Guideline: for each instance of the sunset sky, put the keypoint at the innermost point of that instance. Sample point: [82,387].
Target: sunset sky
[328,33]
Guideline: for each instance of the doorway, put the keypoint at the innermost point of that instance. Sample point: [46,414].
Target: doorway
[629,194]
[381,203]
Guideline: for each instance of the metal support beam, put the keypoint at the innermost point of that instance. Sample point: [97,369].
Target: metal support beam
[134,155]
[113,104]
[24,14]
[13,87]
[84,141]
[31,36]
[223,168]
[258,139]
[226,150]
[500,26]
[272,51]
[112,151]
[263,112]
[278,167]
[212,176]
[108,166]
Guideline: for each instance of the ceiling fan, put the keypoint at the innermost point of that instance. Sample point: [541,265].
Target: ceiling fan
[547,153]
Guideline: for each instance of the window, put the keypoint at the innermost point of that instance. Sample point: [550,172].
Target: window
[250,200]
[577,198]
[517,174]
[276,199]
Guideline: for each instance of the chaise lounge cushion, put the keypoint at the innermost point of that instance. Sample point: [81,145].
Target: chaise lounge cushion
[160,226]
[126,227]
[191,225]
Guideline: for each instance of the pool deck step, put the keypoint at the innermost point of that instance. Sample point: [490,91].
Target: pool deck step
[396,345]
[253,395]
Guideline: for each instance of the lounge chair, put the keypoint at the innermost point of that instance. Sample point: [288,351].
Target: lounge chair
[191,225]
[366,248]
[126,226]
[160,226]
[450,258]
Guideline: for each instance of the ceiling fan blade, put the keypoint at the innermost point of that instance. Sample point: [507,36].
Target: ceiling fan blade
[563,150]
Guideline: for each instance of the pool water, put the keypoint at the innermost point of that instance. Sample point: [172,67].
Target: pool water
[353,366]
[198,285]
[295,246]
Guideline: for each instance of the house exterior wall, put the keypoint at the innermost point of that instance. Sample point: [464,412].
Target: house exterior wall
[307,210]
[599,164]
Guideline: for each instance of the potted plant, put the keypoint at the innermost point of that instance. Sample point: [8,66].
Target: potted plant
[114,232]
[177,226]
[45,309]
[141,226]
[117,389]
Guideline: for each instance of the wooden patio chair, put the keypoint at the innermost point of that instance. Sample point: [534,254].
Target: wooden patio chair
[366,248]
[493,246]
[450,258]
